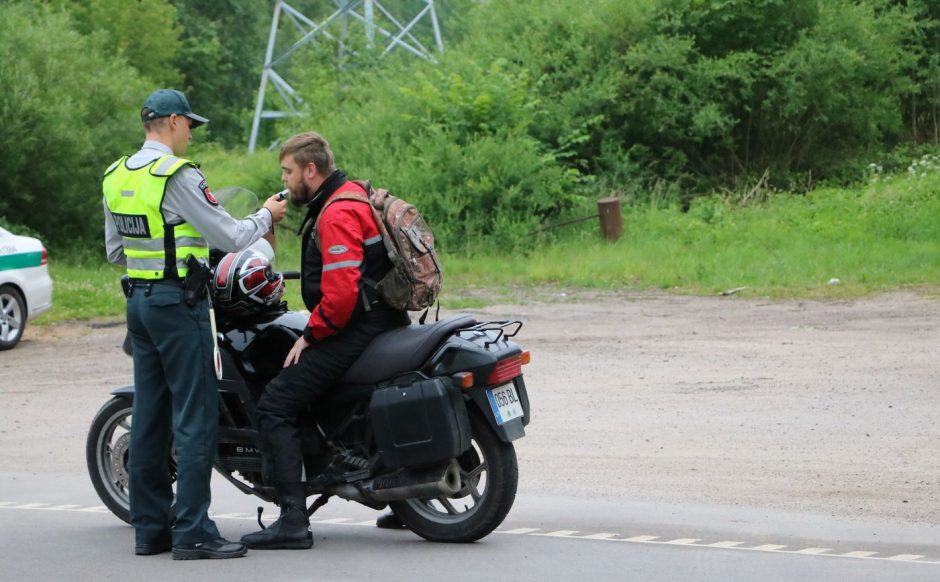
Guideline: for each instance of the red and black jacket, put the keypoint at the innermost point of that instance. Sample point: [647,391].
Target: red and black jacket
[350,250]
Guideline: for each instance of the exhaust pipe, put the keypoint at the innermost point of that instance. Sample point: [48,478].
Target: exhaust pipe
[403,484]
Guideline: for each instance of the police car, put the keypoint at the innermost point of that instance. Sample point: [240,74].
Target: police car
[25,286]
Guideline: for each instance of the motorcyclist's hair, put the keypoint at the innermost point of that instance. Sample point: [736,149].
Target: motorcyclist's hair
[310,147]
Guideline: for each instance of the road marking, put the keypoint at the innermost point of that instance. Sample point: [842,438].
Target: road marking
[94,509]
[725,544]
[335,520]
[600,536]
[905,557]
[768,548]
[815,551]
[641,539]
[858,554]
[564,533]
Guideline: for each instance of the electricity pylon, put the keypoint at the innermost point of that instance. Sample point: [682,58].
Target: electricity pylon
[395,32]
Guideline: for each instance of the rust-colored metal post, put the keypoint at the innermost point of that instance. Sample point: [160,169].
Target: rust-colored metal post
[611,220]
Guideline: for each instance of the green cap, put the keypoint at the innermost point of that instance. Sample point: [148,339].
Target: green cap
[164,102]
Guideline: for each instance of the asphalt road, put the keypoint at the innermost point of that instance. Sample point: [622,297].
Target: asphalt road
[52,527]
[672,439]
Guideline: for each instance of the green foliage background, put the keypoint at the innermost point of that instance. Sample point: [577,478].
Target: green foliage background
[62,98]
[534,110]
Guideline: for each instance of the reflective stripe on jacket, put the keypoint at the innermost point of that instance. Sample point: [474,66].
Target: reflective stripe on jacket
[340,249]
[154,249]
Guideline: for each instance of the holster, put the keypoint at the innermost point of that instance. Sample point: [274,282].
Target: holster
[196,283]
[126,286]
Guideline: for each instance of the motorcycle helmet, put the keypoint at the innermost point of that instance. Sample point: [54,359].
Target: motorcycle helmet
[244,283]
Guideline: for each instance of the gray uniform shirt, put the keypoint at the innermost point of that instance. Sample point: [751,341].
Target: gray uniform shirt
[185,201]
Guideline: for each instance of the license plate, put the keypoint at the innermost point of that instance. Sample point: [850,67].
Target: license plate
[505,403]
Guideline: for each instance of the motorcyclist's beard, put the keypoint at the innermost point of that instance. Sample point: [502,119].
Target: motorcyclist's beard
[301,196]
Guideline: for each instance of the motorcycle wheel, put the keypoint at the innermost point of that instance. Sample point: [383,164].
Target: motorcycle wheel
[489,474]
[106,452]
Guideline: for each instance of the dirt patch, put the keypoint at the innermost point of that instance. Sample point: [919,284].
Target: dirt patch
[829,407]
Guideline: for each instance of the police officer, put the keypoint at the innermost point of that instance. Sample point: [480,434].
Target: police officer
[341,249]
[159,209]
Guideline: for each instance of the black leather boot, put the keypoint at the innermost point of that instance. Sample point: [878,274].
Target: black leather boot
[389,521]
[291,531]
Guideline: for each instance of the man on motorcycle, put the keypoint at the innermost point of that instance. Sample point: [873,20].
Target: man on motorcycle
[158,210]
[341,250]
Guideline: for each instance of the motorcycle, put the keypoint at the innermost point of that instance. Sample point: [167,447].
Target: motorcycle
[424,421]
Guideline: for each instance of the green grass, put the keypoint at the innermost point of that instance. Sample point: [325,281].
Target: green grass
[883,236]
[879,237]
[83,289]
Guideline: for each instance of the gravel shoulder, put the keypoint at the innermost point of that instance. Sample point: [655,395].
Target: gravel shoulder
[827,407]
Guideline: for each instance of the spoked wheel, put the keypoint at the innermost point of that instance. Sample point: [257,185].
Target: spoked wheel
[489,475]
[106,453]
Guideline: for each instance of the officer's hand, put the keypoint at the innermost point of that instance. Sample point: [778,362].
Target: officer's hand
[277,207]
[294,355]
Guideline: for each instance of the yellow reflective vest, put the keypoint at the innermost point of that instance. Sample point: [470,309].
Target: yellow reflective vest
[154,249]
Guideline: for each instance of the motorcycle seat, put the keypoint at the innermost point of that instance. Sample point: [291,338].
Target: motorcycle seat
[402,350]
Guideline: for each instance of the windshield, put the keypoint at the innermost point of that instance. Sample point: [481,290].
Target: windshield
[238,202]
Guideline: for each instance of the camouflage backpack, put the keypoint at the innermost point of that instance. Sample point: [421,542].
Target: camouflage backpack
[414,282]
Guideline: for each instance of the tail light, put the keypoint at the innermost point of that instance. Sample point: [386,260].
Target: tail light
[505,370]
[464,379]
[45,257]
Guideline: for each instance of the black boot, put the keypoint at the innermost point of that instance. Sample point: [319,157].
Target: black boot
[291,531]
[389,521]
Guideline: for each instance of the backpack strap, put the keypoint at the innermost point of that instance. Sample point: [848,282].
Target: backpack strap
[316,224]
[376,201]
[378,198]
[437,314]
[357,197]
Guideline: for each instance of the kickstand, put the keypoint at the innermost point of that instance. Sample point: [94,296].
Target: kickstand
[317,504]
[260,511]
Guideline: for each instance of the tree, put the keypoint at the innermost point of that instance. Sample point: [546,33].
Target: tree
[922,106]
[221,56]
[143,32]
[69,109]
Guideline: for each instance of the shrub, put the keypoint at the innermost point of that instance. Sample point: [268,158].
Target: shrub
[69,109]
[709,93]
[452,138]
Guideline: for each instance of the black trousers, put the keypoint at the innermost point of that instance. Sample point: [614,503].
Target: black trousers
[301,385]
[175,396]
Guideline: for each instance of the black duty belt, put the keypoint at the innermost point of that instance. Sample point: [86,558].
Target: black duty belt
[128,285]
[166,281]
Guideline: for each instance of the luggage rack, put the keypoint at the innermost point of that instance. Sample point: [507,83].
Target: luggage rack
[500,328]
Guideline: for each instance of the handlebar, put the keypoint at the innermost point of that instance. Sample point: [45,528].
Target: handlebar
[291,275]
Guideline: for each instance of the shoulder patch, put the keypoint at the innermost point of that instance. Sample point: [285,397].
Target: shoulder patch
[337,249]
[208,193]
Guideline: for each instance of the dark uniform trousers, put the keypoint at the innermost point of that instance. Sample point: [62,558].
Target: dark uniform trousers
[176,395]
[320,366]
